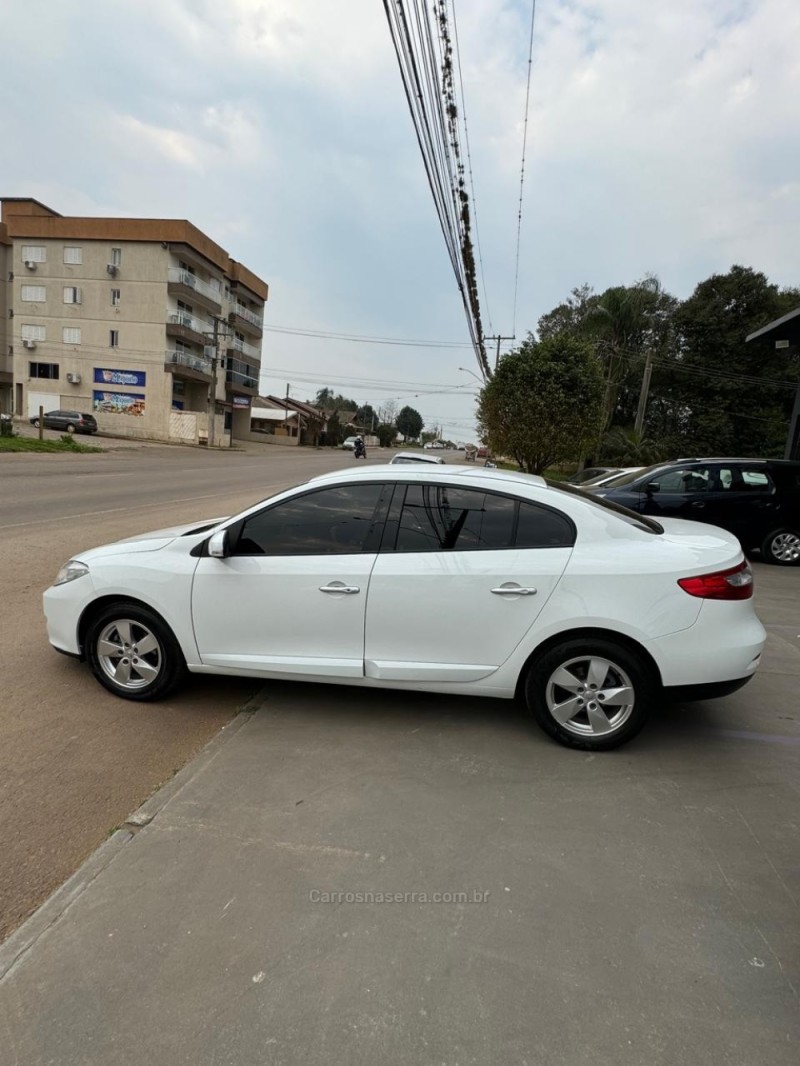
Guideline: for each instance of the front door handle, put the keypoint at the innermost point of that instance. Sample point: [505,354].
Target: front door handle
[514,590]
[337,586]
[698,504]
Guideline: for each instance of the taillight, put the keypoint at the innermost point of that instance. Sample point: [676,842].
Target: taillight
[733,584]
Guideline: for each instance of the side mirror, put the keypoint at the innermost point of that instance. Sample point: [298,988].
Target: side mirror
[218,545]
[652,487]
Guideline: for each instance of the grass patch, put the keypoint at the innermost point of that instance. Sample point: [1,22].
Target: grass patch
[33,444]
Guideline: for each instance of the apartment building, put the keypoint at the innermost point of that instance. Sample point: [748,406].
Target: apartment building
[139,321]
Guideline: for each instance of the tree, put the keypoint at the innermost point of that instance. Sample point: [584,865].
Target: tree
[327,400]
[386,434]
[544,403]
[722,412]
[409,423]
[366,416]
[569,317]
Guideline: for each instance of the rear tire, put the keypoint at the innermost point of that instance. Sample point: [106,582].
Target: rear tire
[590,693]
[133,653]
[782,547]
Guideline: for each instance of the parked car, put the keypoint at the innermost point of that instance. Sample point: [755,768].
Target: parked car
[70,421]
[756,499]
[591,472]
[609,478]
[349,442]
[463,581]
[414,457]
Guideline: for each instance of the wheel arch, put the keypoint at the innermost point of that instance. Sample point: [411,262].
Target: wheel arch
[92,609]
[625,641]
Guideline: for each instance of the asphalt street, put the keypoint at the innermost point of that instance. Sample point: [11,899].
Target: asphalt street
[74,761]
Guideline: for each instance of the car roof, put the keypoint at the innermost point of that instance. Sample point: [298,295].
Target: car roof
[425,471]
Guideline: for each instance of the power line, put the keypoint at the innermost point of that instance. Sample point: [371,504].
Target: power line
[522,166]
[434,113]
[469,165]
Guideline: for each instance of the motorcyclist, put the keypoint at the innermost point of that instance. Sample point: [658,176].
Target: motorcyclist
[359,449]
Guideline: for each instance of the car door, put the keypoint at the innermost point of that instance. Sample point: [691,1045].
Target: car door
[461,577]
[290,596]
[745,501]
[681,492]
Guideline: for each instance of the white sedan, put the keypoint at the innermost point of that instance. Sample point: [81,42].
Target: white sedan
[439,579]
[401,458]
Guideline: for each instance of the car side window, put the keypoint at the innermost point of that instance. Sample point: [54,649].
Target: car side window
[755,480]
[685,481]
[437,518]
[336,521]
[540,527]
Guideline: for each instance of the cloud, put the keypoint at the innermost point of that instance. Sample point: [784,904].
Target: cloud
[661,138]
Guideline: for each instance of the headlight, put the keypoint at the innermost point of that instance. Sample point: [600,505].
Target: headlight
[70,571]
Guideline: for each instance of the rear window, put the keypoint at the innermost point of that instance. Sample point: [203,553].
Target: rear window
[643,522]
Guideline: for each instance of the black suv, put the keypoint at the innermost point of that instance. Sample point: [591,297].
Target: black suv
[756,499]
[71,421]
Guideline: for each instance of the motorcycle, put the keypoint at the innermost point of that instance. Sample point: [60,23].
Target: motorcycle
[360,452]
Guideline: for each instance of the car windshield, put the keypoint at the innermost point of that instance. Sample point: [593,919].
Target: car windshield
[633,475]
[643,522]
[588,475]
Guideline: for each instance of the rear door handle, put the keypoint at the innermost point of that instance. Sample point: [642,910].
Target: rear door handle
[514,590]
[698,504]
[337,586]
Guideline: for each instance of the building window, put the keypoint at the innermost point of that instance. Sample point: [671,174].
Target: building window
[34,253]
[73,256]
[72,295]
[33,333]
[71,335]
[113,338]
[43,370]
[115,298]
[116,257]
[36,294]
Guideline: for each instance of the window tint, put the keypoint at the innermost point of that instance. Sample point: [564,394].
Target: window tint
[755,481]
[335,521]
[439,518]
[539,527]
[683,481]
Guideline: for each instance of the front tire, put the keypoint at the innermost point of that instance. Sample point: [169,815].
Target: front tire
[36,423]
[70,428]
[133,653]
[782,547]
[590,693]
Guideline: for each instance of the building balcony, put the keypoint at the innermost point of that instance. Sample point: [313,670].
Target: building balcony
[187,365]
[243,348]
[245,319]
[241,378]
[187,327]
[187,286]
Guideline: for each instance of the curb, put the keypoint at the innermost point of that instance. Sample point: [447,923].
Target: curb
[46,916]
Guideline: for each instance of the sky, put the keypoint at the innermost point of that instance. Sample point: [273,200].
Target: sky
[661,139]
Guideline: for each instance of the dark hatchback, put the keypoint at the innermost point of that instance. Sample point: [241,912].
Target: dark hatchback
[758,500]
[70,421]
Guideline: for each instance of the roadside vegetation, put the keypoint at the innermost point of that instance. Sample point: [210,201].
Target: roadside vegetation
[33,444]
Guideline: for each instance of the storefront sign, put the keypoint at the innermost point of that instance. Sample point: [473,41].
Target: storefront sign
[241,401]
[102,376]
[117,403]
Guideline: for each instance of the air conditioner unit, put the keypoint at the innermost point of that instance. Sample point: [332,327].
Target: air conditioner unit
[112,269]
[30,264]
[29,344]
[74,379]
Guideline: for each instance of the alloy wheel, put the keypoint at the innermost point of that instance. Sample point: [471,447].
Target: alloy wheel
[129,654]
[590,696]
[785,547]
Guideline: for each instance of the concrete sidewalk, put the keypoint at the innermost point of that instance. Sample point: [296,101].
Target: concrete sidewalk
[637,907]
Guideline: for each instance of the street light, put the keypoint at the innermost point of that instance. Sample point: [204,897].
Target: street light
[480,381]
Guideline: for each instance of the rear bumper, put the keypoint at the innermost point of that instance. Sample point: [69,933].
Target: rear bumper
[713,690]
[723,647]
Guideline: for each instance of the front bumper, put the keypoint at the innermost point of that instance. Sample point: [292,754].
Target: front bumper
[63,607]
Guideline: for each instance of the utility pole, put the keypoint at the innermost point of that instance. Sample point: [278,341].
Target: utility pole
[212,391]
[645,389]
[499,339]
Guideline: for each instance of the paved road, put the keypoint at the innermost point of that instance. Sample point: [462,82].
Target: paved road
[75,761]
